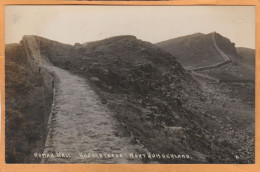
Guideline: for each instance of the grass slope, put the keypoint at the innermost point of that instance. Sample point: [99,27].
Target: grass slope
[27,108]
[159,104]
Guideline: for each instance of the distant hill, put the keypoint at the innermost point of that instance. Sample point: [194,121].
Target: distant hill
[247,56]
[196,50]
[202,50]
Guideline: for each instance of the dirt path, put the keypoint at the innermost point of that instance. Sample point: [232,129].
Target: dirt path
[80,123]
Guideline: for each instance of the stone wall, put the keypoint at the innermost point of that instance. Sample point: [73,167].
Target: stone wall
[217,65]
[36,61]
[48,78]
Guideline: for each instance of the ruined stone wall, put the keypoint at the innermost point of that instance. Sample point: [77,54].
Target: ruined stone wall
[222,54]
[36,61]
[48,78]
[217,65]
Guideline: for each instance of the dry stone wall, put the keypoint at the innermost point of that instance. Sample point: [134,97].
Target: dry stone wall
[36,61]
[222,54]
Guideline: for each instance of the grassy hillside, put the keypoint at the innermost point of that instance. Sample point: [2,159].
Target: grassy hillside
[247,56]
[198,50]
[159,104]
[27,108]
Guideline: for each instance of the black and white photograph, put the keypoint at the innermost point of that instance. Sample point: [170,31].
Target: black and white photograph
[129,84]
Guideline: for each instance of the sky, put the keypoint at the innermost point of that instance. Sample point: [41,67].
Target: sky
[79,24]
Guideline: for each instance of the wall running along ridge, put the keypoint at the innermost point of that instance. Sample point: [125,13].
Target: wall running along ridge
[217,65]
[222,54]
[36,61]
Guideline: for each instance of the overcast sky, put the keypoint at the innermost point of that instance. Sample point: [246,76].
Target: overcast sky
[71,24]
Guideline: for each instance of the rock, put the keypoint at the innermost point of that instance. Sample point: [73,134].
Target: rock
[147,113]
[94,79]
[146,67]
[104,101]
[172,85]
[77,45]
[174,131]
[83,68]
[154,108]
